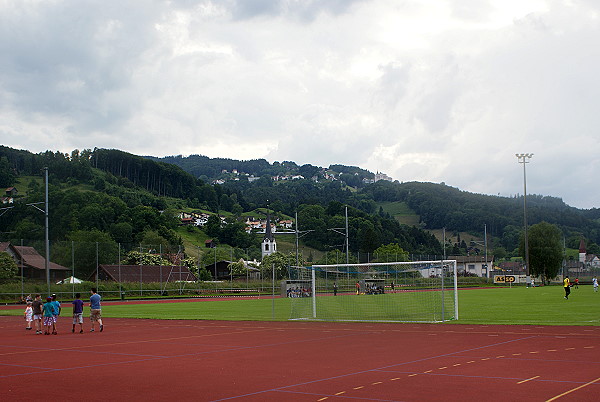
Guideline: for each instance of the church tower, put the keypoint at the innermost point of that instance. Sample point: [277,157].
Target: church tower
[269,246]
[582,251]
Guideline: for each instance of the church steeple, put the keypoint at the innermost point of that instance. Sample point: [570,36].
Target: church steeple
[269,246]
[268,233]
[582,251]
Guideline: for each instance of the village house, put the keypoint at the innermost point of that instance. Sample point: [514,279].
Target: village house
[286,224]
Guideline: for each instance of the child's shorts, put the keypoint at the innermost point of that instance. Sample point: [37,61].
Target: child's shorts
[37,316]
[48,321]
[55,319]
[95,314]
[77,318]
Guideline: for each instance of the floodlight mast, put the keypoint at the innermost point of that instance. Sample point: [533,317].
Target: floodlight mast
[524,159]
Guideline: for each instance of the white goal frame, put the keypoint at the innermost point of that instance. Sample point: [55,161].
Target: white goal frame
[448,266]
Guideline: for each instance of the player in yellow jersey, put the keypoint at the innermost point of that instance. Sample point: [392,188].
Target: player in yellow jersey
[567,285]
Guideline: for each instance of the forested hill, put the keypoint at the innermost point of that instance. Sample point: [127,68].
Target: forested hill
[105,196]
[441,206]
[315,192]
[437,205]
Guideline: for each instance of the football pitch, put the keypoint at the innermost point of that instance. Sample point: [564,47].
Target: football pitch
[518,305]
[248,350]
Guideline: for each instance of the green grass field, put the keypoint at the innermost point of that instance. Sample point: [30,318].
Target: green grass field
[518,305]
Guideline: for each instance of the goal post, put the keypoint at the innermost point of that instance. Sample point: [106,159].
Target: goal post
[417,291]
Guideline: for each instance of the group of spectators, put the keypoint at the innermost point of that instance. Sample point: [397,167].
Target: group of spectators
[299,292]
[374,289]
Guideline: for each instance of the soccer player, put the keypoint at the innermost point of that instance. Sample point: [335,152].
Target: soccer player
[595,283]
[95,310]
[567,286]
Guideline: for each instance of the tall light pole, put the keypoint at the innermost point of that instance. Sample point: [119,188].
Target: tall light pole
[524,159]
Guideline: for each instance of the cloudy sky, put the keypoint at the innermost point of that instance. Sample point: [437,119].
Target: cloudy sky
[428,90]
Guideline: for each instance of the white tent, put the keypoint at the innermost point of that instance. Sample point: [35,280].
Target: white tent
[70,279]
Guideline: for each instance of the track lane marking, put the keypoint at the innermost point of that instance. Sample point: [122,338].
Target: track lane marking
[529,379]
[573,390]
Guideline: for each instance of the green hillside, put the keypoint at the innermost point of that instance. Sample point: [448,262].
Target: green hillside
[113,196]
[401,212]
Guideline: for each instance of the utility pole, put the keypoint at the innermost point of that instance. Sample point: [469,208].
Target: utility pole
[45,211]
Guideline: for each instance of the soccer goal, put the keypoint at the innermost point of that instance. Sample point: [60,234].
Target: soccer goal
[418,291]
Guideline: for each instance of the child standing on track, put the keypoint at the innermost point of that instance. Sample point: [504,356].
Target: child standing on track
[78,313]
[48,316]
[57,309]
[37,313]
[28,315]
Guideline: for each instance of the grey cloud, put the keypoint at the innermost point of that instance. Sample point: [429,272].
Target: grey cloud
[392,85]
[434,109]
[303,10]
[67,59]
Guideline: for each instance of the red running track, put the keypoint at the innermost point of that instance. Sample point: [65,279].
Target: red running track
[299,361]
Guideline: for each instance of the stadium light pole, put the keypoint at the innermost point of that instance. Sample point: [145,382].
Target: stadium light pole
[524,159]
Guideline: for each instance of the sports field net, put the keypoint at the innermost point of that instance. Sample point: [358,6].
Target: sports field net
[418,291]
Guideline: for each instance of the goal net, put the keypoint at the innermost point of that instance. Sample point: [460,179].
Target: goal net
[418,291]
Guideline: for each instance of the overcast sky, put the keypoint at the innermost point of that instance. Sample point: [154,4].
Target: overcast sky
[427,90]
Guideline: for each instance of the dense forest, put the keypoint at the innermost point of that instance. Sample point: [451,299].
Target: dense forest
[111,195]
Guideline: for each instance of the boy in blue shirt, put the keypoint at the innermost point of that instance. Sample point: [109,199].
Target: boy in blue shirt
[95,310]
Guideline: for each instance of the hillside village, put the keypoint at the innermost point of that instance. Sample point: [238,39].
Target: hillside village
[253,225]
[322,175]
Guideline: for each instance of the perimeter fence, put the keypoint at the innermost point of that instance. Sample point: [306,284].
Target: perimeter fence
[138,271]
